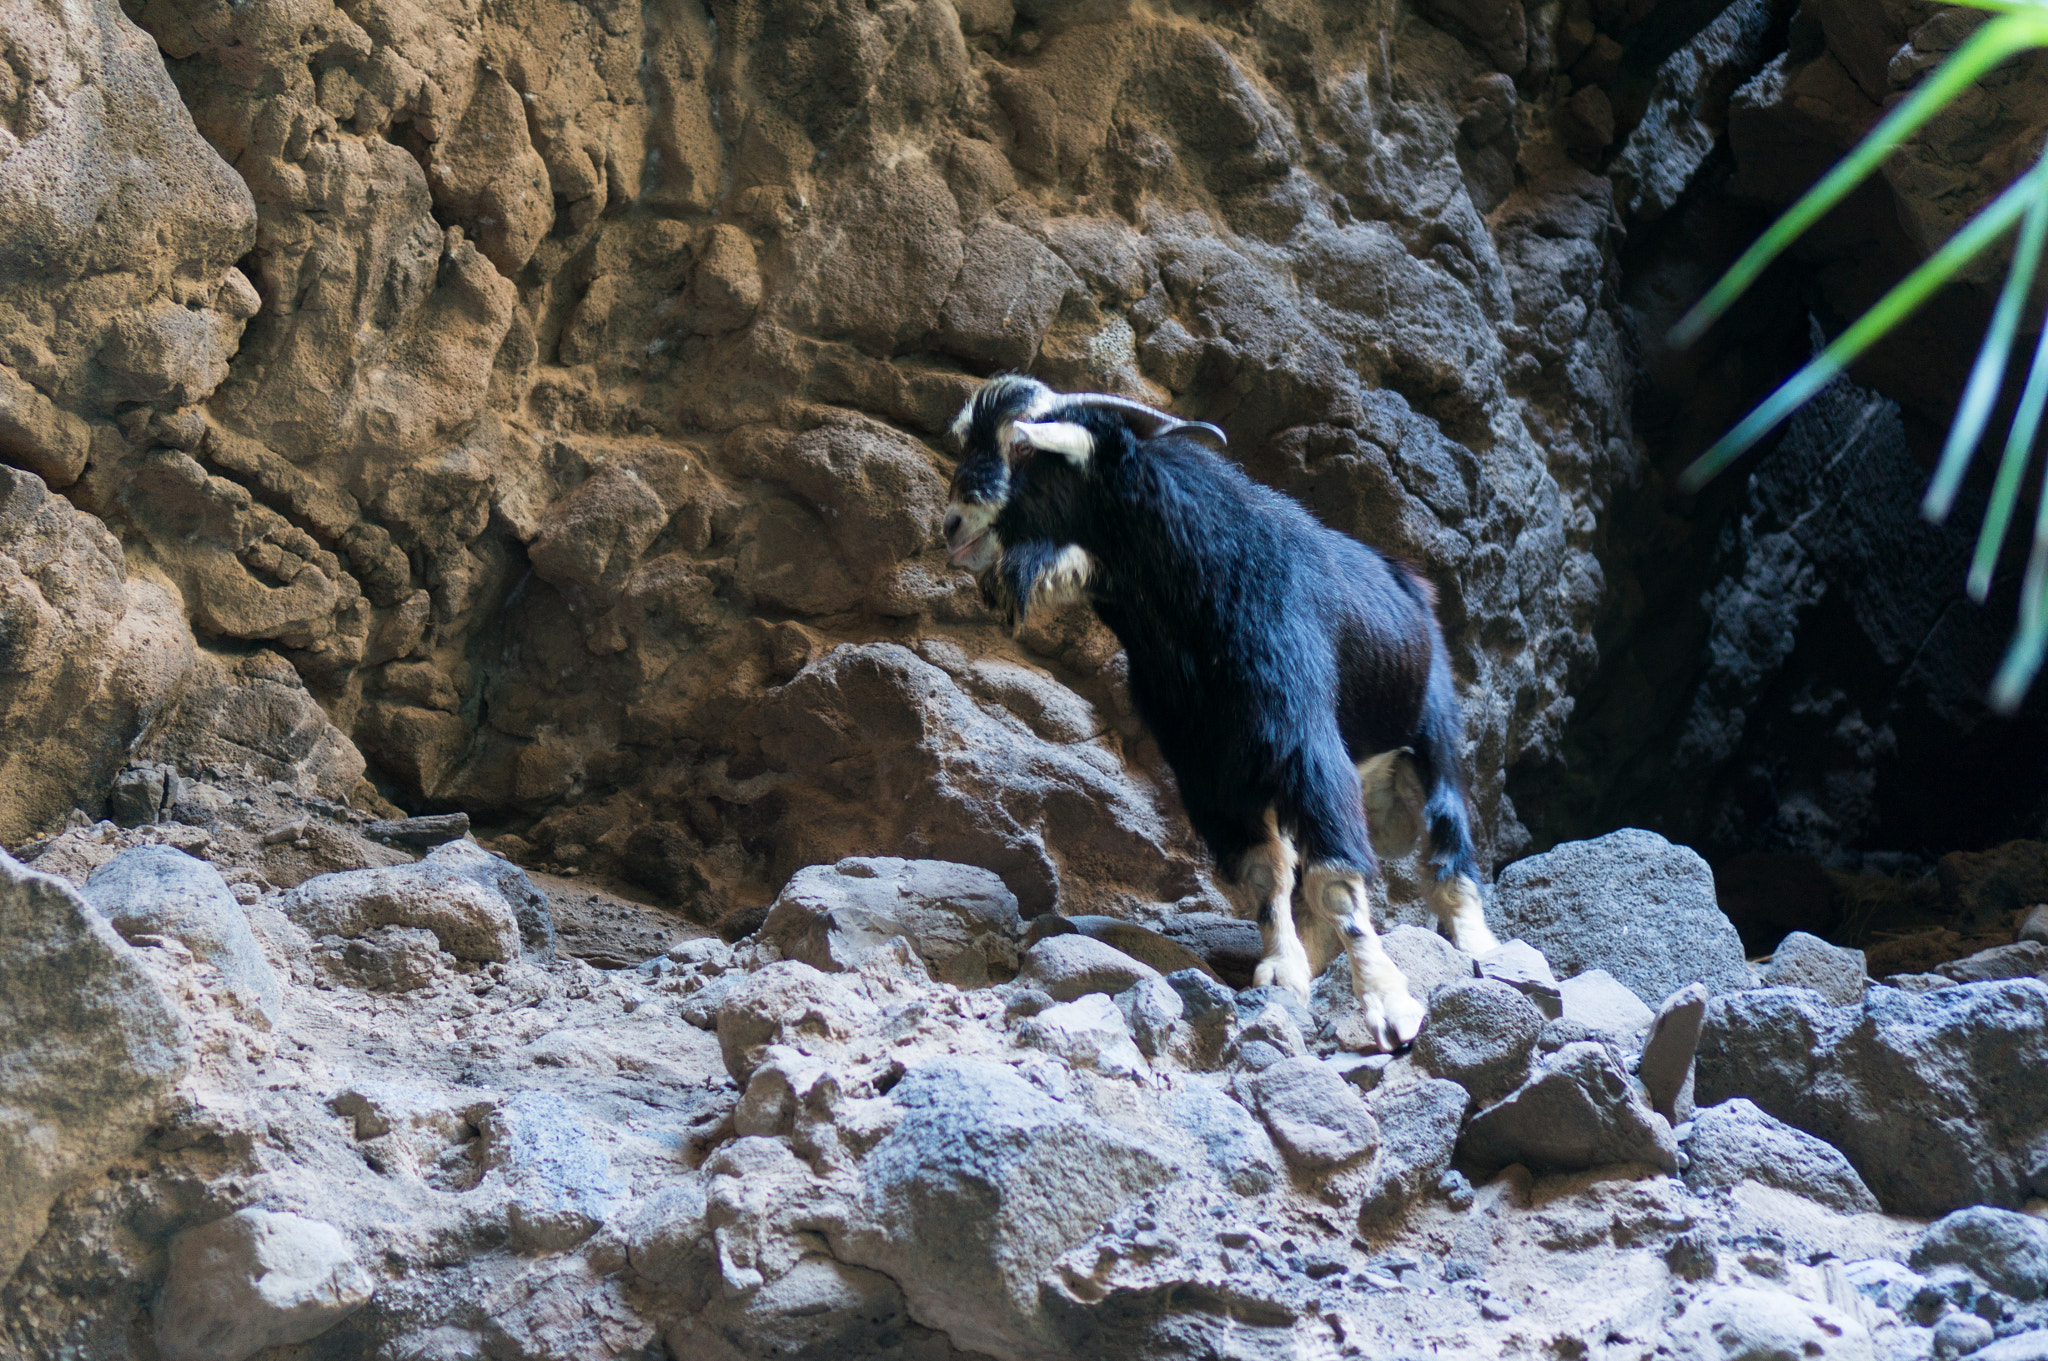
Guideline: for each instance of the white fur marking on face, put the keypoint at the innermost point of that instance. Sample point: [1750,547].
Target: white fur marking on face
[1058,437]
[1066,581]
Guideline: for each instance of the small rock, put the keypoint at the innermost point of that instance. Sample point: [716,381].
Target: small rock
[1363,1071]
[1228,945]
[1735,1141]
[1598,1001]
[1804,961]
[1739,1324]
[1666,1064]
[2007,1251]
[1087,1032]
[2022,959]
[1252,1001]
[388,959]
[1257,1056]
[1418,1131]
[1139,942]
[253,1280]
[1150,1010]
[1917,983]
[1561,1032]
[2034,926]
[1425,959]
[962,920]
[1067,967]
[1316,1118]
[1578,1111]
[1522,967]
[1960,1335]
[1629,903]
[158,891]
[1206,1002]
[1456,1189]
[1479,1034]
[1274,1024]
[1025,1002]
[1691,1256]
[1232,1142]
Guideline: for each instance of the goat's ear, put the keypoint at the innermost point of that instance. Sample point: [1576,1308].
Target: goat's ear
[1070,441]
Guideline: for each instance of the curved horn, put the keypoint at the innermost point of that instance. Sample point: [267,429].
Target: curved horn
[1156,422]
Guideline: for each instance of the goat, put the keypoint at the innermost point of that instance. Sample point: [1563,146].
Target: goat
[1282,667]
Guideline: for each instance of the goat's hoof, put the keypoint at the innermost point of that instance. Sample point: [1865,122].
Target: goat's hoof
[1391,1020]
[1290,974]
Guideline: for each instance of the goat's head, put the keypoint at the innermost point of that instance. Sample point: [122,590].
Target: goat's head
[1010,419]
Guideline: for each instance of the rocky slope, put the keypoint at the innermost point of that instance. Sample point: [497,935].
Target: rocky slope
[377,1114]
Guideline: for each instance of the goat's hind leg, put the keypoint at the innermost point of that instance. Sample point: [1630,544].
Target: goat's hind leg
[1392,1015]
[1269,869]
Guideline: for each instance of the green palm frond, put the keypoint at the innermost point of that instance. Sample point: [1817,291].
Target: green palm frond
[2021,25]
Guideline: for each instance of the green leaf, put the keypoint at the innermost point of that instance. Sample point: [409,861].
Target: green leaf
[1988,375]
[2019,442]
[1894,307]
[2014,31]
[2022,664]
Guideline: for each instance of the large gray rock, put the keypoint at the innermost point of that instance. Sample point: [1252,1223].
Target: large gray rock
[1232,1142]
[1068,966]
[1629,902]
[1480,1034]
[1316,1118]
[1803,961]
[2021,959]
[1739,1324]
[1735,1141]
[253,1280]
[1142,943]
[1579,1110]
[1919,1091]
[1598,1001]
[2006,1251]
[982,1184]
[1088,1032]
[161,891]
[91,1049]
[962,920]
[1419,1124]
[478,905]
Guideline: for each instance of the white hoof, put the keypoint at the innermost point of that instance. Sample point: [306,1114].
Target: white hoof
[1391,1019]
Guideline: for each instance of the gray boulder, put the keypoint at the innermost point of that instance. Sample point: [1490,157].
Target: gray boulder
[1665,1066]
[2006,1251]
[1919,1091]
[983,1183]
[1233,1144]
[1425,959]
[560,1178]
[1206,1003]
[1088,1032]
[1735,1142]
[1522,967]
[962,920]
[1578,1111]
[2021,959]
[161,891]
[1479,1034]
[1629,902]
[1804,961]
[1230,946]
[1597,1001]
[92,1047]
[1419,1124]
[1316,1118]
[1141,943]
[478,905]
[253,1280]
[1151,1009]
[1070,966]
[1734,1323]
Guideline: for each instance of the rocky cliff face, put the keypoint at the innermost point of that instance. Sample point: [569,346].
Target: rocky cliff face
[582,446]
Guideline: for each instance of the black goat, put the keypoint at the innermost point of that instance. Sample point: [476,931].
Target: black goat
[1283,667]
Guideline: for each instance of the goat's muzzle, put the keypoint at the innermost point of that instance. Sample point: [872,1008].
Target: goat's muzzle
[967,536]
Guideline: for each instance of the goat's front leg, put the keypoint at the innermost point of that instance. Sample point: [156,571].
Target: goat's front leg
[1269,868]
[1391,1013]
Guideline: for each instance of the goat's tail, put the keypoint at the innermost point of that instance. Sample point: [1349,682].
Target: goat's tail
[1447,816]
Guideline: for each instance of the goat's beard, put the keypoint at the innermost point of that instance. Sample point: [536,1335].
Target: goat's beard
[996,590]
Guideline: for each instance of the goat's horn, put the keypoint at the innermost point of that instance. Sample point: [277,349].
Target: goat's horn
[1159,422]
